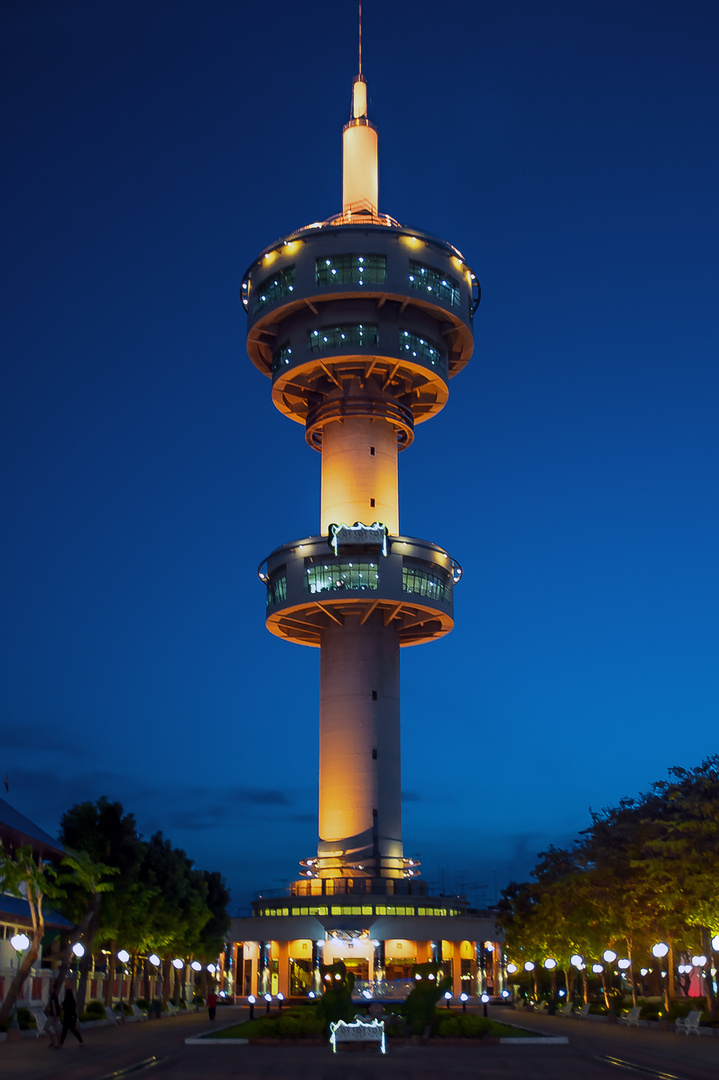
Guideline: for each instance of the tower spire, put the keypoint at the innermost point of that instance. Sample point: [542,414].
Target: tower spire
[359,150]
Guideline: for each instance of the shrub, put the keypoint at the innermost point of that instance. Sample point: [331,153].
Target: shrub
[449,1027]
[311,1026]
[197,999]
[26,1021]
[126,1009]
[95,1010]
[289,1027]
[183,1003]
[142,1003]
[474,1026]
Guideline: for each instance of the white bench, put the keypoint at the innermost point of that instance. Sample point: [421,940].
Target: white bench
[138,1013]
[632,1017]
[688,1024]
[117,1017]
[584,1011]
[358,1031]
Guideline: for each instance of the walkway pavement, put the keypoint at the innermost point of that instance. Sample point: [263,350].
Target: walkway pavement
[596,1051]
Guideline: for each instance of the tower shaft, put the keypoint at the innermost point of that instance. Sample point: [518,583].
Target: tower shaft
[359,473]
[360,806]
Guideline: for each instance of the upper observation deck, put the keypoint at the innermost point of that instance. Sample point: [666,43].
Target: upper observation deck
[357,297]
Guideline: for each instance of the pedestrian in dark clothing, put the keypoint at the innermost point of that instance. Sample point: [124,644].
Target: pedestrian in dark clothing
[52,1024]
[69,1018]
[212,1004]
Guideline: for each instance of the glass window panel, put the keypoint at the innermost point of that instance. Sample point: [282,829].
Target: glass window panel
[273,288]
[425,579]
[420,348]
[327,338]
[429,280]
[277,587]
[351,270]
[282,357]
[337,575]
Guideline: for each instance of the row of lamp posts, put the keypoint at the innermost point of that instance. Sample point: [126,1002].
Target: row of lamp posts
[659,950]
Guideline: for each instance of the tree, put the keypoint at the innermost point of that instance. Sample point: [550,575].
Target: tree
[87,879]
[24,875]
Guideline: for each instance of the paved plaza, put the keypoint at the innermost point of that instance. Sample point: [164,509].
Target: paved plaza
[596,1051]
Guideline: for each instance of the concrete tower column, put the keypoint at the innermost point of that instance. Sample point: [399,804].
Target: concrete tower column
[360,798]
[359,473]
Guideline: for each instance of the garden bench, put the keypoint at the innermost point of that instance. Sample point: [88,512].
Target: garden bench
[688,1024]
[358,1030]
[118,1018]
[138,1013]
[632,1017]
[584,1011]
[565,1009]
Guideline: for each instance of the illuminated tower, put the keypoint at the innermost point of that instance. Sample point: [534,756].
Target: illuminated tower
[360,323]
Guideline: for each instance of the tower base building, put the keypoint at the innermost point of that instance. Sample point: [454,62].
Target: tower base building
[360,324]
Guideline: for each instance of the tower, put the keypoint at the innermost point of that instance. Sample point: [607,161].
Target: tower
[360,324]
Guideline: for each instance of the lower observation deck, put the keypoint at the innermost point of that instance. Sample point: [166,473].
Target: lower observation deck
[310,588]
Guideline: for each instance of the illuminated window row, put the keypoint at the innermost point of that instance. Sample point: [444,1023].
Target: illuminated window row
[273,288]
[333,337]
[441,286]
[351,270]
[336,576]
[277,588]
[419,348]
[431,583]
[356,909]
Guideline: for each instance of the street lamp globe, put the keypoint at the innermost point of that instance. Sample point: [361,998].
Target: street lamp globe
[529,966]
[511,968]
[20,942]
[609,956]
[699,961]
[660,949]
[196,965]
[597,969]
[715,943]
[550,963]
[577,961]
[79,949]
[178,964]
[123,956]
[154,959]
[624,964]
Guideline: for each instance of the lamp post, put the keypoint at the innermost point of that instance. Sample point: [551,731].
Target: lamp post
[123,956]
[20,943]
[154,959]
[268,999]
[447,997]
[464,998]
[178,965]
[485,1001]
[660,950]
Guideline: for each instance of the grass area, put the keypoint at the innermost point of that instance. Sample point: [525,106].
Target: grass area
[267,1028]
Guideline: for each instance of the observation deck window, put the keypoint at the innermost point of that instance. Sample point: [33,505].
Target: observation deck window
[277,587]
[356,575]
[427,279]
[425,579]
[282,357]
[273,288]
[345,336]
[351,270]
[415,346]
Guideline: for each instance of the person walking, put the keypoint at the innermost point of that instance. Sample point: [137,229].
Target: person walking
[52,1024]
[212,1004]
[69,1018]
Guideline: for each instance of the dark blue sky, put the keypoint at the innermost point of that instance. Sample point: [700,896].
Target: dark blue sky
[152,149]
